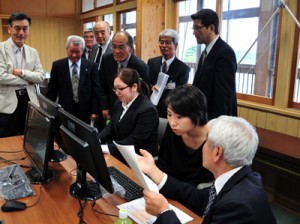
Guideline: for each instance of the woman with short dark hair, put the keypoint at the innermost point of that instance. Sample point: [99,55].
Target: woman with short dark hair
[181,150]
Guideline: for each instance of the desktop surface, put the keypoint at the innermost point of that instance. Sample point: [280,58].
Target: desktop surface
[56,205]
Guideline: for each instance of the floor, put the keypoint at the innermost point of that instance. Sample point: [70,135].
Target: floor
[284,216]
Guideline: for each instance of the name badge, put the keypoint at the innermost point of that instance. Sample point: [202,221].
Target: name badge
[171,85]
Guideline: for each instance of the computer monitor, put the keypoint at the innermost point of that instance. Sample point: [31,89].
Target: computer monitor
[37,143]
[51,108]
[81,142]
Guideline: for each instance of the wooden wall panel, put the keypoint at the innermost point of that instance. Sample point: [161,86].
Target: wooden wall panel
[292,125]
[281,124]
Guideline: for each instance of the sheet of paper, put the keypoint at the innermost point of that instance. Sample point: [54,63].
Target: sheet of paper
[162,80]
[136,211]
[129,155]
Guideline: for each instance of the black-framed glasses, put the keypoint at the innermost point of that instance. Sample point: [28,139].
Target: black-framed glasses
[119,89]
[197,27]
[120,47]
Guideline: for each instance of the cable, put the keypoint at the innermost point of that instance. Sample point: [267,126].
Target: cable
[80,213]
[11,151]
[102,213]
[11,162]
[38,199]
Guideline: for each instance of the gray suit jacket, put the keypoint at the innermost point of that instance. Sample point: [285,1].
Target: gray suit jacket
[32,74]
[95,49]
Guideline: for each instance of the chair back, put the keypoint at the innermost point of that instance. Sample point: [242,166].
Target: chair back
[161,129]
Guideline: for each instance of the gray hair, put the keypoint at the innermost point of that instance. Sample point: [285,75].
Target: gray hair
[76,40]
[236,136]
[88,30]
[170,33]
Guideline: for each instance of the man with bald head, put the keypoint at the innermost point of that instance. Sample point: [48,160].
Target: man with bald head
[121,57]
[102,34]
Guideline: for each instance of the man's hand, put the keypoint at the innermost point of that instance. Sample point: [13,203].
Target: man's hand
[106,114]
[93,116]
[155,202]
[17,72]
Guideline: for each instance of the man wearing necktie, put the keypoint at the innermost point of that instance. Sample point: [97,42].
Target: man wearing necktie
[75,81]
[89,39]
[167,63]
[20,70]
[237,195]
[102,33]
[215,75]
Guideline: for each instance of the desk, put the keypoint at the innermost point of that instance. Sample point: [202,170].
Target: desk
[56,205]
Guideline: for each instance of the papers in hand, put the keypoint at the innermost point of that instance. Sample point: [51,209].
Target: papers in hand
[162,80]
[136,211]
[130,156]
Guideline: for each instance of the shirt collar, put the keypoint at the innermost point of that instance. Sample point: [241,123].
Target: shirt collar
[78,63]
[126,106]
[169,61]
[222,180]
[211,44]
[15,47]
[125,63]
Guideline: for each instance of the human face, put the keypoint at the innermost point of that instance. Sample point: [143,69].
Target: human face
[89,39]
[120,49]
[74,52]
[167,47]
[19,31]
[101,32]
[124,92]
[200,32]
[180,125]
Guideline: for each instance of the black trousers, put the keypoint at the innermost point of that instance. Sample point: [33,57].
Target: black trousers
[13,124]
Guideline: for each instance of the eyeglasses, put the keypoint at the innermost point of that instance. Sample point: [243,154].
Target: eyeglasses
[120,47]
[197,27]
[97,32]
[166,42]
[119,89]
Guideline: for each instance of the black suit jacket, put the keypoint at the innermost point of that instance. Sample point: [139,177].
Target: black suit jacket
[241,200]
[88,90]
[178,73]
[216,79]
[108,71]
[138,127]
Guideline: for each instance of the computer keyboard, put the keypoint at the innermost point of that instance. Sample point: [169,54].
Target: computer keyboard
[132,189]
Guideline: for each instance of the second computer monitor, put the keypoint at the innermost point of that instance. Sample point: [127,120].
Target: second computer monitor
[77,135]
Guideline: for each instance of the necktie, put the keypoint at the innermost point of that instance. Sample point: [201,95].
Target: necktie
[120,67]
[164,67]
[75,82]
[19,58]
[90,54]
[212,196]
[204,54]
[99,55]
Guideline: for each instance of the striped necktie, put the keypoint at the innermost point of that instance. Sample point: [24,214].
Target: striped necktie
[75,82]
[212,196]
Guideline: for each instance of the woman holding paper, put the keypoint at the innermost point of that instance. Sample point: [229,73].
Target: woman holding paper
[180,152]
[135,118]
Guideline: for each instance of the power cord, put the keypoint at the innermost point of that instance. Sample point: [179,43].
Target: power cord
[102,213]
[81,210]
[38,199]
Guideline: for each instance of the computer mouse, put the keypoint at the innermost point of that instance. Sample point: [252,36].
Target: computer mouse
[11,206]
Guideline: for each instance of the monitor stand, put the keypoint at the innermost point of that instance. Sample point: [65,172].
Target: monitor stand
[83,189]
[35,177]
[56,155]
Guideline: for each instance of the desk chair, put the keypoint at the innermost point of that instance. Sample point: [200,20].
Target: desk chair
[161,129]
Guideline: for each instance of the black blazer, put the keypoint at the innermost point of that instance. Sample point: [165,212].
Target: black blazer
[108,71]
[241,200]
[138,127]
[88,90]
[216,79]
[178,73]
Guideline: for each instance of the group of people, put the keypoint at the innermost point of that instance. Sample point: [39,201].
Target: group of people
[102,79]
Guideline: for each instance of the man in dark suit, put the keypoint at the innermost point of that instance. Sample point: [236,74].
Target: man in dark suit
[89,40]
[121,57]
[102,33]
[237,195]
[75,81]
[215,75]
[167,63]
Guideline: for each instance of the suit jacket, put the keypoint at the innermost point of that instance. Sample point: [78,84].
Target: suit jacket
[32,74]
[108,71]
[95,49]
[241,200]
[138,126]
[178,73]
[60,86]
[216,79]
[84,53]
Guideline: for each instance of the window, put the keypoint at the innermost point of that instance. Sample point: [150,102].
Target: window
[128,22]
[87,5]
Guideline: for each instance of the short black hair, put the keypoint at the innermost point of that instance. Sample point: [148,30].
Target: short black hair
[207,17]
[188,101]
[18,16]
